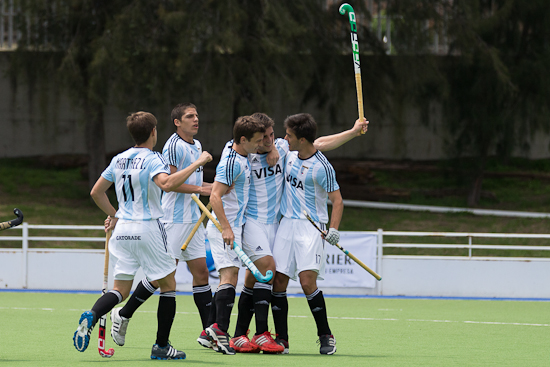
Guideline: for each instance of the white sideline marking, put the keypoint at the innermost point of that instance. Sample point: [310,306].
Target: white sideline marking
[333,318]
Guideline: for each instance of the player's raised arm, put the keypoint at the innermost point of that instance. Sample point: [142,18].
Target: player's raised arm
[330,142]
[169,182]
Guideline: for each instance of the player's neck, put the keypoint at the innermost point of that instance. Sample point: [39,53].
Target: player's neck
[239,149]
[187,137]
[306,151]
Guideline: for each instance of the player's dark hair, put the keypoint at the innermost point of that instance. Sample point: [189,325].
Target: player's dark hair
[179,110]
[247,126]
[264,119]
[140,125]
[303,125]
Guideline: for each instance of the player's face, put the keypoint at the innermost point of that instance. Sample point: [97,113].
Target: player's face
[189,122]
[251,146]
[267,142]
[293,142]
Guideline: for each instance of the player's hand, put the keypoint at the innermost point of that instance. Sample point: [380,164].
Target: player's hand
[228,237]
[272,157]
[204,158]
[360,127]
[206,189]
[332,236]
[110,223]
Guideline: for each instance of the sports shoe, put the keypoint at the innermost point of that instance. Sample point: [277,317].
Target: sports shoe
[266,343]
[220,339]
[328,344]
[168,352]
[284,343]
[242,344]
[204,341]
[81,336]
[119,324]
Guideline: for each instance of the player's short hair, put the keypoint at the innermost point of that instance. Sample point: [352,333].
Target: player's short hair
[140,125]
[264,119]
[303,125]
[247,126]
[179,110]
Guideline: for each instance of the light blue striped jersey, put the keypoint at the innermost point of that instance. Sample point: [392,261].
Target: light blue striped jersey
[132,172]
[307,183]
[266,186]
[179,207]
[234,169]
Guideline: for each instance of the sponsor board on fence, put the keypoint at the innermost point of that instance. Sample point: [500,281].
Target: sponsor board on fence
[340,270]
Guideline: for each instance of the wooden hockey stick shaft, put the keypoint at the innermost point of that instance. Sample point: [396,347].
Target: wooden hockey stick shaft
[14,222]
[103,320]
[195,228]
[352,256]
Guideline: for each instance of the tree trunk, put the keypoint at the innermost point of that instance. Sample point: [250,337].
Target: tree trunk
[95,141]
[475,191]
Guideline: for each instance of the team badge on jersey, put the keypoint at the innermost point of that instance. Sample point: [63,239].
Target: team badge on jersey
[303,170]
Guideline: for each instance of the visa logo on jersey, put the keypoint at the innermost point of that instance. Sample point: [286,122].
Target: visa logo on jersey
[268,171]
[294,182]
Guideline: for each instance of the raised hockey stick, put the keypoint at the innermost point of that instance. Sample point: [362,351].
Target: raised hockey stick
[103,320]
[14,222]
[238,250]
[347,8]
[195,228]
[352,256]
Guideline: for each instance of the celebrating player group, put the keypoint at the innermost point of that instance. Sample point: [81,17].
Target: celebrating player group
[261,189]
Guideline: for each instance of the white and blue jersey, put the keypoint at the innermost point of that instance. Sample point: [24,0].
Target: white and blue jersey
[132,172]
[307,184]
[179,207]
[234,169]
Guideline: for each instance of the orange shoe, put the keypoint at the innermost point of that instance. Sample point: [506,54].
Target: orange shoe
[266,343]
[242,344]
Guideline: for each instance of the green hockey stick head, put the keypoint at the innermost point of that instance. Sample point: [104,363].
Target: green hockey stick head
[347,8]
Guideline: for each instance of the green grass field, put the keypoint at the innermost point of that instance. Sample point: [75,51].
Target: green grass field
[37,330]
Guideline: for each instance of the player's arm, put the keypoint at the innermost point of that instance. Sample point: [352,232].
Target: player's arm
[272,157]
[171,182]
[184,188]
[99,194]
[330,142]
[218,190]
[335,198]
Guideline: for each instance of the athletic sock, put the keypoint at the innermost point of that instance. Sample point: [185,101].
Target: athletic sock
[212,315]
[105,303]
[246,311]
[279,309]
[318,309]
[225,299]
[143,291]
[165,317]
[262,298]
[202,295]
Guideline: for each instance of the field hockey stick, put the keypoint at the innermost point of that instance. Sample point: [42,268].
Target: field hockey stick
[14,222]
[352,256]
[346,8]
[103,320]
[195,228]
[238,250]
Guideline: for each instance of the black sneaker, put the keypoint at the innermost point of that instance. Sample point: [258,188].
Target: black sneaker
[284,343]
[168,352]
[220,339]
[328,344]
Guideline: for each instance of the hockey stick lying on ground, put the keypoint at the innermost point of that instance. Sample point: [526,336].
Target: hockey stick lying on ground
[352,256]
[244,258]
[14,222]
[103,320]
[347,8]
[195,228]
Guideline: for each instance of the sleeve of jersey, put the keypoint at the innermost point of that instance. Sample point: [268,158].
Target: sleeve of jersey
[227,170]
[108,173]
[282,145]
[173,152]
[158,165]
[326,177]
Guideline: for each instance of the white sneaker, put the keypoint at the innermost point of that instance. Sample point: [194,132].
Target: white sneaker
[119,324]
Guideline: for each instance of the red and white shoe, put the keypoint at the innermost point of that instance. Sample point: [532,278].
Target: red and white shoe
[242,344]
[266,343]
[204,341]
